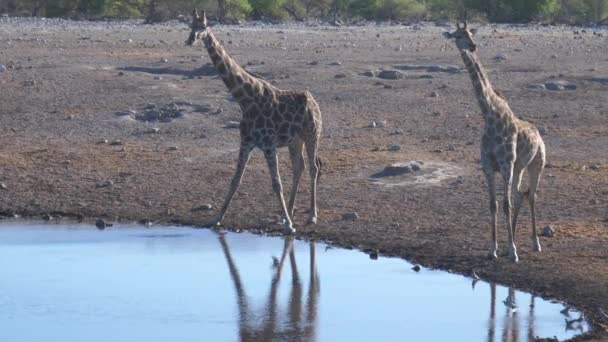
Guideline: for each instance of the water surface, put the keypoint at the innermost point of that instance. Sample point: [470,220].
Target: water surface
[75,283]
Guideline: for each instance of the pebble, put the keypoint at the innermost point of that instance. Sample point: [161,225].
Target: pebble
[548,231]
[560,85]
[542,130]
[595,167]
[3,186]
[158,78]
[537,86]
[416,268]
[203,207]
[173,148]
[340,76]
[104,184]
[116,143]
[373,254]
[101,224]
[394,148]
[397,169]
[352,216]
[434,94]
[501,57]
[2,68]
[164,60]
[377,124]
[232,124]
[390,74]
[153,130]
[313,63]
[335,63]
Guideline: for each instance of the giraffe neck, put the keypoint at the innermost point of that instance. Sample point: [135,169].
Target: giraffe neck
[233,75]
[490,102]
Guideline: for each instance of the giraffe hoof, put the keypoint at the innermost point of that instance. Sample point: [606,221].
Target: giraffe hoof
[537,247]
[492,255]
[288,230]
[312,220]
[513,256]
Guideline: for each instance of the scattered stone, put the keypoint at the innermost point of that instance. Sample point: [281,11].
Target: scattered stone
[373,254]
[537,86]
[158,78]
[104,184]
[595,167]
[166,113]
[164,60]
[101,224]
[548,231]
[398,169]
[340,76]
[416,268]
[232,124]
[352,216]
[313,63]
[3,186]
[116,143]
[335,63]
[173,148]
[554,56]
[560,85]
[203,207]
[377,124]
[370,73]
[451,147]
[153,130]
[390,74]
[399,48]
[434,94]
[429,68]
[102,141]
[394,148]
[120,73]
[387,86]
[500,57]
[2,68]
[47,217]
[542,131]
[71,117]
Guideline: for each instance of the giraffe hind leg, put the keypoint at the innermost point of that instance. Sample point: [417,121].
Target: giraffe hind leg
[491,180]
[535,170]
[518,194]
[277,187]
[297,163]
[313,168]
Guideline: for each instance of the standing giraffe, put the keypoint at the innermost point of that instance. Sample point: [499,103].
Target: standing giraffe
[272,118]
[508,146]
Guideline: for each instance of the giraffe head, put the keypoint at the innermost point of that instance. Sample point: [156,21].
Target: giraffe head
[463,37]
[200,29]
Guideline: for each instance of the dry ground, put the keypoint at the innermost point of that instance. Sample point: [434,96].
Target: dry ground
[62,90]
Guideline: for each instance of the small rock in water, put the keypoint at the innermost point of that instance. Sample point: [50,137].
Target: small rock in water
[394,148]
[352,216]
[416,268]
[101,224]
[548,231]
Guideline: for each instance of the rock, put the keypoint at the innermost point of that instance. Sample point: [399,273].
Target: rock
[351,216]
[104,184]
[542,131]
[537,86]
[120,73]
[173,148]
[203,207]
[313,63]
[164,60]
[232,124]
[2,68]
[451,148]
[398,169]
[416,268]
[47,217]
[553,56]
[116,143]
[394,148]
[390,74]
[548,231]
[500,57]
[102,142]
[101,224]
[340,76]
[377,124]
[158,78]
[387,86]
[399,48]
[335,63]
[373,254]
[560,85]
[434,94]
[595,167]
[370,73]
[153,130]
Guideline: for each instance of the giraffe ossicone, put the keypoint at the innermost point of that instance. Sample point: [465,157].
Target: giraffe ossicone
[509,146]
[271,118]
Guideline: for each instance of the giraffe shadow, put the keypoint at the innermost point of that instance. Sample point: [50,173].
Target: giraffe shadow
[205,70]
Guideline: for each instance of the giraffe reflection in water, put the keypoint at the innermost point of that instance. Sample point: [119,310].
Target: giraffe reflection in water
[299,324]
[511,321]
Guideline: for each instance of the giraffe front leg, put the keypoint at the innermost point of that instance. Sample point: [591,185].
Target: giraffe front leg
[507,174]
[297,163]
[490,179]
[273,167]
[244,152]
[314,169]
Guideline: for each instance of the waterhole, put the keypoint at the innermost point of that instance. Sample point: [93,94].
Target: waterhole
[126,283]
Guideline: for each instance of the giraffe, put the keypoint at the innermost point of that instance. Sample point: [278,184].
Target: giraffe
[509,146]
[271,118]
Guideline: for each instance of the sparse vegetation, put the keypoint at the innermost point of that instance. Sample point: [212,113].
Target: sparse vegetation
[563,11]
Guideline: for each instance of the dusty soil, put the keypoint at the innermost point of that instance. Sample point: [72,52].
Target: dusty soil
[66,81]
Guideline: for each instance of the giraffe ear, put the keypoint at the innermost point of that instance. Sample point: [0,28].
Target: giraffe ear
[195,14]
[448,35]
[473,31]
[204,18]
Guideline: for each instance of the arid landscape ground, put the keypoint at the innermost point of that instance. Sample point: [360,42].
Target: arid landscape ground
[124,122]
